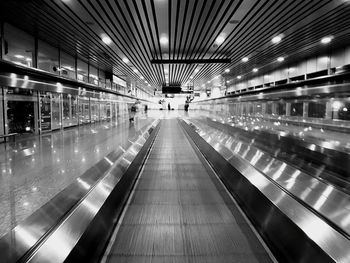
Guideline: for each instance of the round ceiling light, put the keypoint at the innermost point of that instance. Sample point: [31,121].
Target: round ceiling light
[326,40]
[164,40]
[245,59]
[107,40]
[276,39]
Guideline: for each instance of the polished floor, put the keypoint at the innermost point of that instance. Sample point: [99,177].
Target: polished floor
[179,212]
[35,169]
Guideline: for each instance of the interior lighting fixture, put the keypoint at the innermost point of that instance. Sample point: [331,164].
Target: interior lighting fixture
[255,70]
[219,40]
[107,40]
[135,70]
[125,60]
[227,70]
[19,56]
[280,59]
[276,39]
[164,40]
[239,77]
[326,40]
[245,59]
[141,77]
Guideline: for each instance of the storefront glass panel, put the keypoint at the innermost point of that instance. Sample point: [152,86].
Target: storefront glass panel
[20,110]
[56,112]
[45,111]
[95,110]
[84,110]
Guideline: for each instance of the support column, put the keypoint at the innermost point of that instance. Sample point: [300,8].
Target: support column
[288,108]
[328,114]
[305,109]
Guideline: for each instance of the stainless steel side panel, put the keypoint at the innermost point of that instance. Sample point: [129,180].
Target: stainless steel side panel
[63,238]
[334,244]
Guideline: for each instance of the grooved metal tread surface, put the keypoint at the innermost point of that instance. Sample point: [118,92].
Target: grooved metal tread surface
[179,212]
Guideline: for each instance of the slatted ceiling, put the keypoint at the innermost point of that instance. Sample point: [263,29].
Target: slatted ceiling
[191,26]
[293,44]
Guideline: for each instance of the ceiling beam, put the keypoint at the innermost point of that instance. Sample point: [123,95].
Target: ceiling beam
[190,61]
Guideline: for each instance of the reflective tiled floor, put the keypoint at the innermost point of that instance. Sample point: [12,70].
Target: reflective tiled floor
[35,169]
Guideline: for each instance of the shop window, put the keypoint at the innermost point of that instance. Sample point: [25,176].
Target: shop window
[317,109]
[67,66]
[281,108]
[47,57]
[83,72]
[341,112]
[93,77]
[296,109]
[269,108]
[18,46]
[20,105]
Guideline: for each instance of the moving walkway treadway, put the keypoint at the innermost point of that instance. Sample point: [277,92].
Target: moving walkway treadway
[179,211]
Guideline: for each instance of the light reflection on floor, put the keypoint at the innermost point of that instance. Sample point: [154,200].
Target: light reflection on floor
[34,169]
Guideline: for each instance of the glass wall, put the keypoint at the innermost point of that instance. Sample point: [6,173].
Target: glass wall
[67,66]
[317,109]
[47,58]
[84,110]
[55,111]
[18,46]
[2,128]
[95,110]
[20,109]
[102,79]
[45,111]
[281,108]
[93,77]
[83,71]
[296,109]
[69,110]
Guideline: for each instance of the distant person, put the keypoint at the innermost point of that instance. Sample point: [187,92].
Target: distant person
[133,110]
[187,104]
[169,108]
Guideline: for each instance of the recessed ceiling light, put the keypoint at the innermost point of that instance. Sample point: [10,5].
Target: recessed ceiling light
[220,39]
[19,56]
[164,40]
[280,59]
[227,70]
[106,39]
[196,70]
[125,60]
[208,81]
[141,77]
[135,70]
[191,77]
[326,40]
[255,70]
[276,39]
[239,77]
[245,59]
[166,71]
